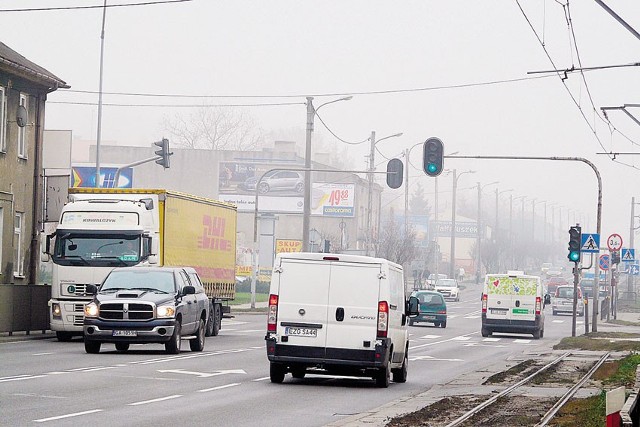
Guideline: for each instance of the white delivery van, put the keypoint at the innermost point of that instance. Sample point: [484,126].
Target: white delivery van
[513,303]
[338,314]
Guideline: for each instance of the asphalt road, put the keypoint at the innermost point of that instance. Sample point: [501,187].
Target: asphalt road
[52,383]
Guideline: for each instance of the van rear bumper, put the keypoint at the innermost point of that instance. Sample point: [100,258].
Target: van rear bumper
[513,326]
[327,357]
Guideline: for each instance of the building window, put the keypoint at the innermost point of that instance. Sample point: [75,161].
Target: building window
[22,132]
[3,119]
[18,260]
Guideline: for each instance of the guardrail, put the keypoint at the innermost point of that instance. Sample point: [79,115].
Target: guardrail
[24,308]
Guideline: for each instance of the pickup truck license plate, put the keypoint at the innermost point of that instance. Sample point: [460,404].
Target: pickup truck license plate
[119,333]
[300,332]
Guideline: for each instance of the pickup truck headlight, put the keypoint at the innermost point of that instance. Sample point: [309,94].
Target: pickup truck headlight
[91,310]
[166,311]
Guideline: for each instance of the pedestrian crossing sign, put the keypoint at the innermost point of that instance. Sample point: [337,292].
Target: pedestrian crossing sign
[628,255]
[590,243]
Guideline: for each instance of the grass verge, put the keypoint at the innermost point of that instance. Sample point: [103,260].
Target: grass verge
[598,341]
[589,412]
[245,298]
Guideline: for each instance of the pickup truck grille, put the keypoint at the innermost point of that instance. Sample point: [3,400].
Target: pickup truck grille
[126,311]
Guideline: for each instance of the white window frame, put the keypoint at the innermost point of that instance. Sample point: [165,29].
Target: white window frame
[22,131]
[18,259]
[3,119]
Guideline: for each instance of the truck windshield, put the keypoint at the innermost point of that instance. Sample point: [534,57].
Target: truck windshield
[97,249]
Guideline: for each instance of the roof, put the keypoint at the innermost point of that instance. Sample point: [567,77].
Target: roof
[28,69]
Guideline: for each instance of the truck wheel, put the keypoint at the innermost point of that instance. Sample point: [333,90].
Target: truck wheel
[217,316]
[64,336]
[383,376]
[400,375]
[92,347]
[122,346]
[210,320]
[276,373]
[197,343]
[173,346]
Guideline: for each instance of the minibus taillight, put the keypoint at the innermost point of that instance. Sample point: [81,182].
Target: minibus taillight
[383,319]
[484,303]
[538,305]
[272,318]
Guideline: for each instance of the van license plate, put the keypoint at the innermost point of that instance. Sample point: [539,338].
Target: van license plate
[300,332]
[498,311]
[125,333]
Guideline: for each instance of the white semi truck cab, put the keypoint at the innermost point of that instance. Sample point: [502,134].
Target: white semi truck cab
[96,233]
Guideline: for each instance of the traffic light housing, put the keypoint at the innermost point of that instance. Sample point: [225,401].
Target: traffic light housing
[163,152]
[615,257]
[575,240]
[433,157]
[395,173]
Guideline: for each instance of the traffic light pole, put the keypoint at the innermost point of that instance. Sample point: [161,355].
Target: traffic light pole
[599,207]
[139,162]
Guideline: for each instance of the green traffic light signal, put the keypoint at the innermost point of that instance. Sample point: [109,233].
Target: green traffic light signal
[575,237]
[433,157]
[431,168]
[574,256]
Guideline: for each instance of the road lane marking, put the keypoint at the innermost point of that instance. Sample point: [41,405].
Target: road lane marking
[471,317]
[434,359]
[520,341]
[475,344]
[218,388]
[261,379]
[440,342]
[60,417]
[429,337]
[557,321]
[20,378]
[203,374]
[461,338]
[491,339]
[41,354]
[160,399]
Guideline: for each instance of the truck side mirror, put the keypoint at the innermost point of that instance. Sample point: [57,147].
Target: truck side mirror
[91,289]
[45,244]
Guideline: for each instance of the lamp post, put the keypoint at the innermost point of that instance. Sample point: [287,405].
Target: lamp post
[407,153]
[479,259]
[306,218]
[496,232]
[372,169]
[452,255]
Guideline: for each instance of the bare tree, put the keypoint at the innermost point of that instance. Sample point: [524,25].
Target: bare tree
[215,128]
[396,245]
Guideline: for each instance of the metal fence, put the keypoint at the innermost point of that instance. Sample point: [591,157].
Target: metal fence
[24,308]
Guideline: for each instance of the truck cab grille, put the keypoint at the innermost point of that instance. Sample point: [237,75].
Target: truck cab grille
[126,311]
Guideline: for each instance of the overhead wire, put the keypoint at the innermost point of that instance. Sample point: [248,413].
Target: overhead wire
[52,8]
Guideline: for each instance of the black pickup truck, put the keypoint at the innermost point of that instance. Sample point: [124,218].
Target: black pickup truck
[147,305]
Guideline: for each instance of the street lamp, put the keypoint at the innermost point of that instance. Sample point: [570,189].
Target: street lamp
[306,218]
[478,267]
[372,169]
[407,153]
[452,256]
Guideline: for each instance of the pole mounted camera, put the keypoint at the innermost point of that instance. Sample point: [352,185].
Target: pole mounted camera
[575,240]
[433,157]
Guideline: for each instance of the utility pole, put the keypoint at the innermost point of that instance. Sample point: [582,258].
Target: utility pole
[406,192]
[452,258]
[631,242]
[478,267]
[306,218]
[369,201]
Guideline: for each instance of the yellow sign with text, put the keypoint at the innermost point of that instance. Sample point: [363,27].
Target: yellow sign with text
[287,245]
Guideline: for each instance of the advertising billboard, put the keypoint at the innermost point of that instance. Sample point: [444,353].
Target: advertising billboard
[85,176]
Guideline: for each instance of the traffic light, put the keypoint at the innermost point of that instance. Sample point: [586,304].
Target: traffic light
[575,237]
[433,157]
[615,257]
[395,170]
[163,152]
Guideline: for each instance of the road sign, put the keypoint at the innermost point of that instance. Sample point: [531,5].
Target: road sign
[628,255]
[634,269]
[614,242]
[604,261]
[590,243]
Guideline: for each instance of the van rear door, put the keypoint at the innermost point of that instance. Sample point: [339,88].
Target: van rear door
[354,292]
[303,289]
[511,297]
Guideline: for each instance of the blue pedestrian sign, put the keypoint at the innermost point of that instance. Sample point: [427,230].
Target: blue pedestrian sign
[604,261]
[634,269]
[628,255]
[590,243]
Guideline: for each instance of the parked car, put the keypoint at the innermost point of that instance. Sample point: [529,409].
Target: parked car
[448,288]
[563,301]
[432,309]
[147,305]
[279,180]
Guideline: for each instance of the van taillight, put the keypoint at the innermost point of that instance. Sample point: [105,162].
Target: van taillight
[538,305]
[484,303]
[383,319]
[272,318]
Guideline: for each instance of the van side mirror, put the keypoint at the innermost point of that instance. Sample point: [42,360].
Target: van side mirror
[413,306]
[547,299]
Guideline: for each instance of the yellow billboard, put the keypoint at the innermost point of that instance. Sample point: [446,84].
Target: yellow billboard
[288,245]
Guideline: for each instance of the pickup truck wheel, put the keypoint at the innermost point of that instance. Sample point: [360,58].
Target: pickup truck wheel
[122,346]
[276,373]
[173,346]
[92,347]
[400,375]
[197,343]
[64,336]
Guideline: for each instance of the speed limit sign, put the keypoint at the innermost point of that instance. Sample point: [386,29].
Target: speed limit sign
[614,242]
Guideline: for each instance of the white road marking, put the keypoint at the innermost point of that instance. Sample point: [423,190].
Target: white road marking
[38,395]
[160,399]
[520,341]
[262,379]
[203,374]
[461,338]
[471,317]
[475,344]
[75,414]
[41,354]
[218,388]
[428,337]
[491,339]
[558,321]
[439,342]
[435,359]
[20,378]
